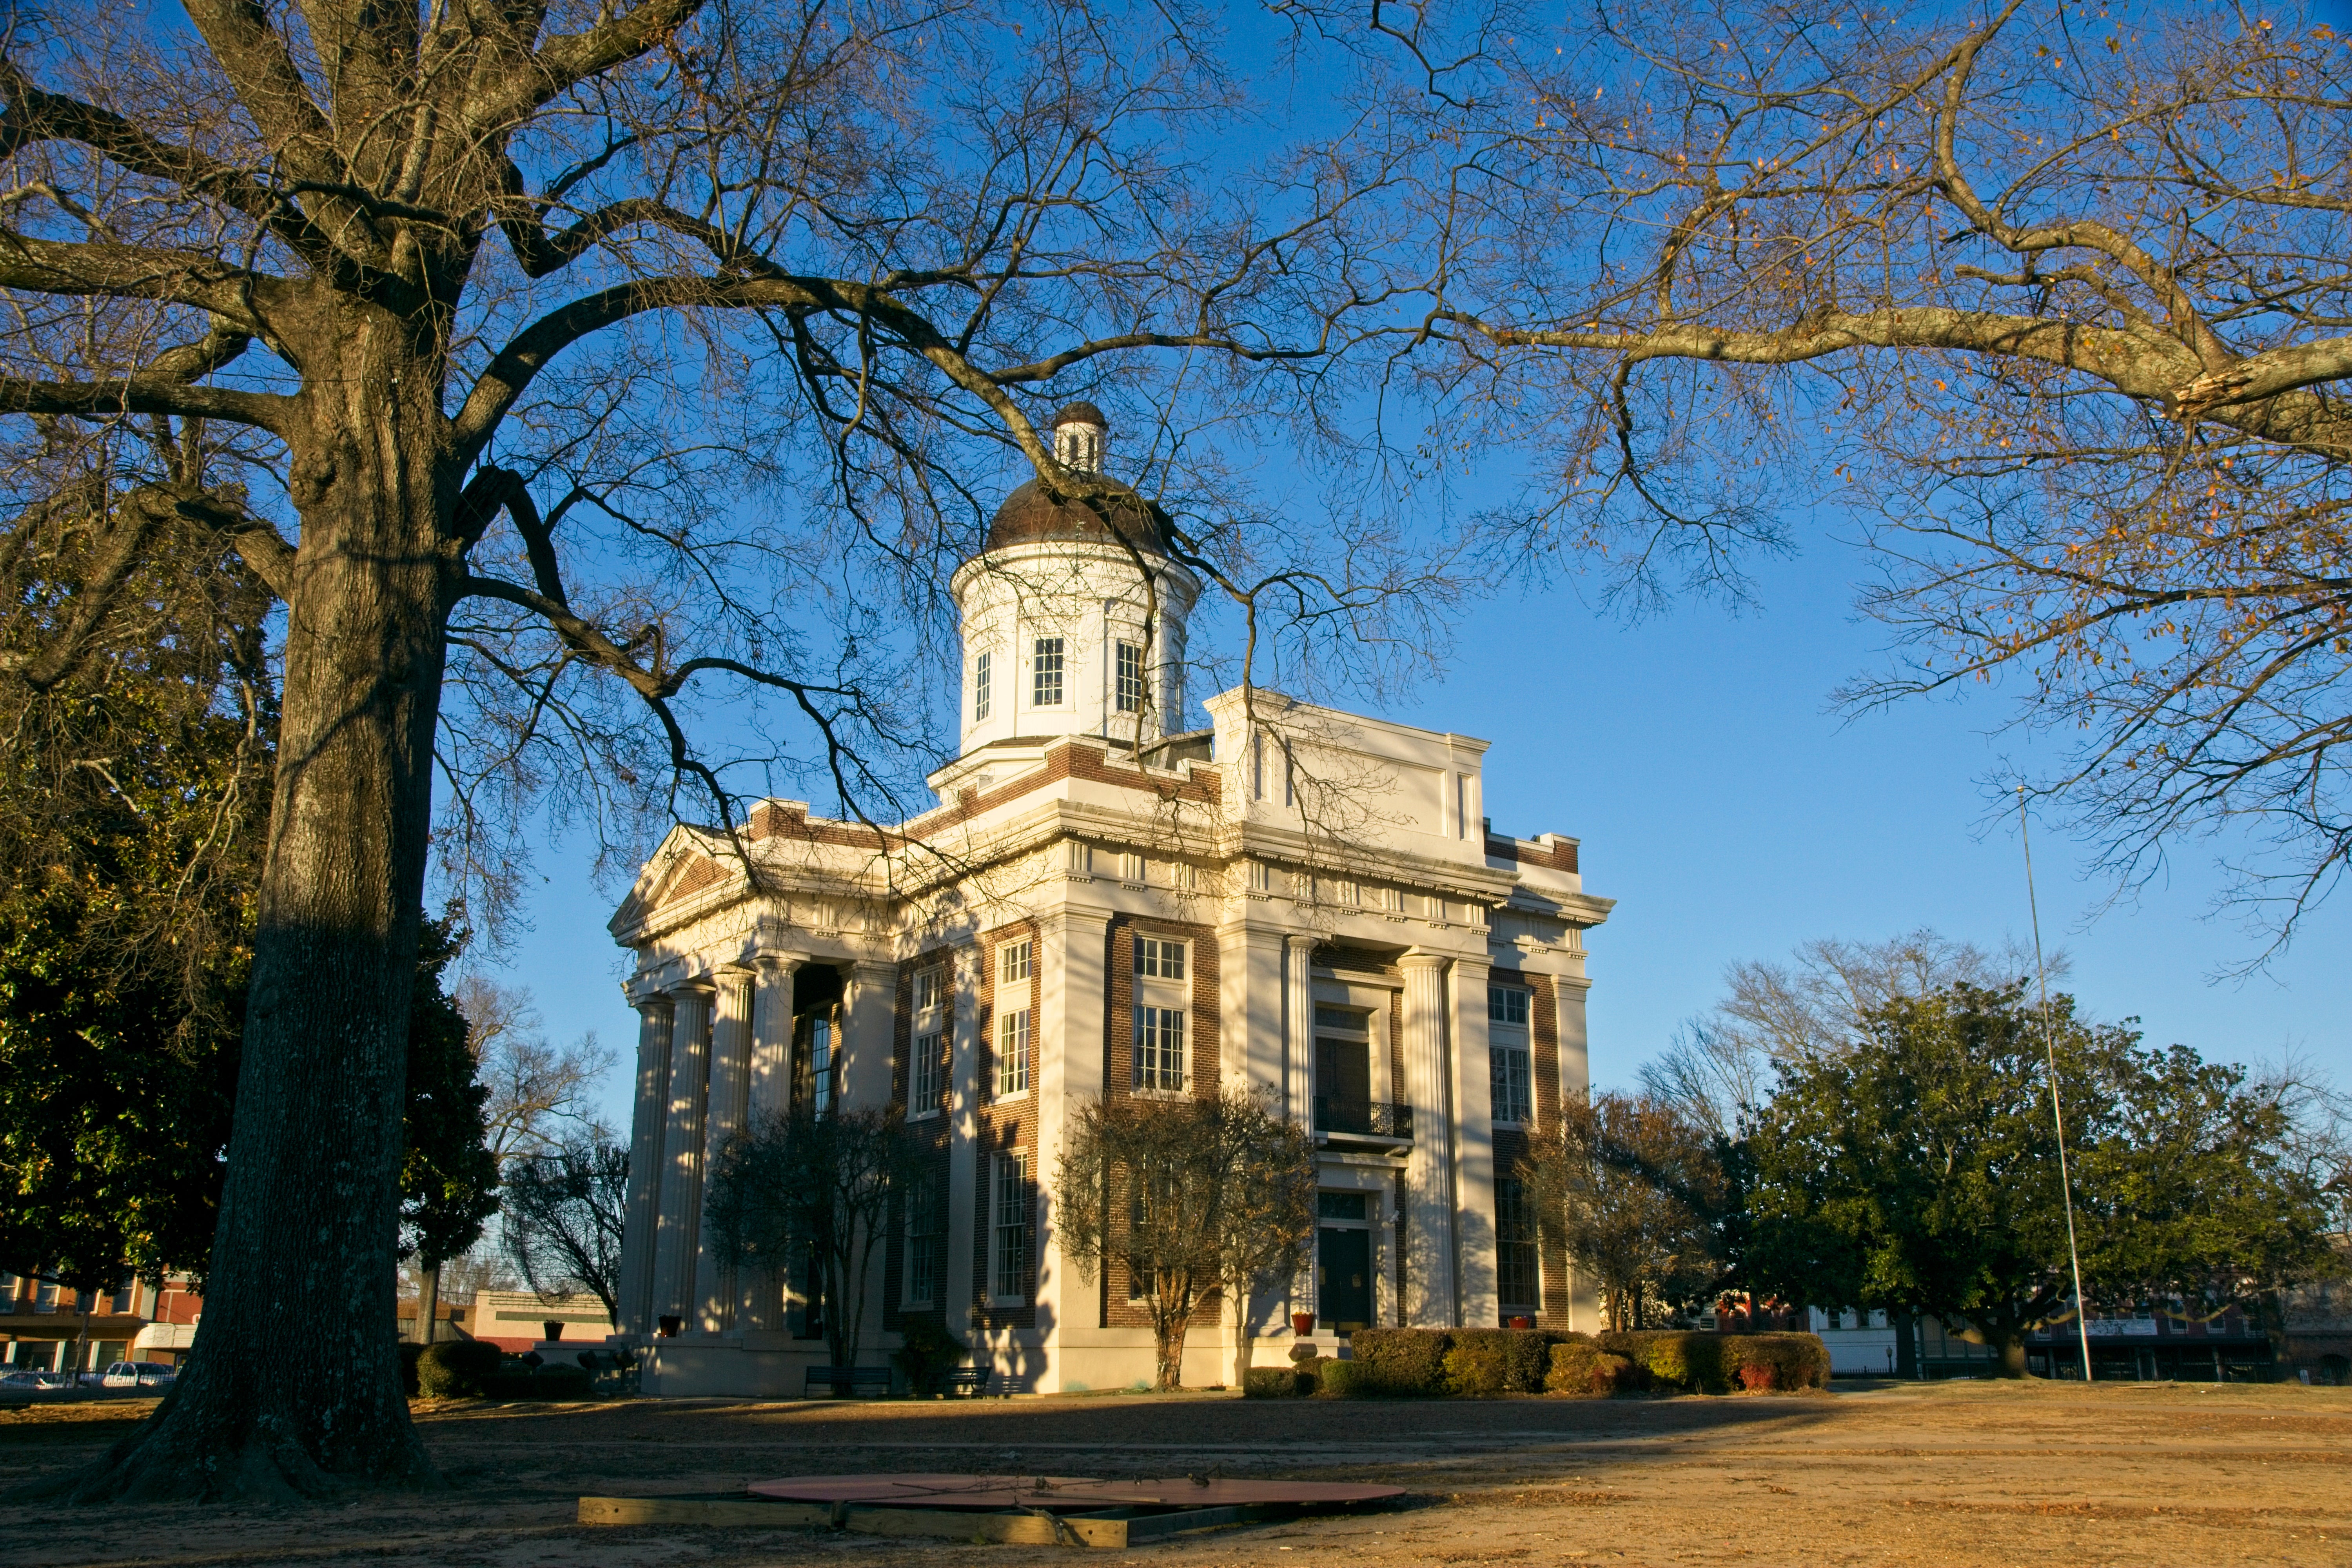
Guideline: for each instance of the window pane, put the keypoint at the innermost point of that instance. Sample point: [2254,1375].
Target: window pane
[1012,1054]
[1016,960]
[1157,959]
[1160,1047]
[1046,673]
[980,694]
[1507,1076]
[1507,1004]
[927,1090]
[1130,677]
[1011,1241]
[1519,1275]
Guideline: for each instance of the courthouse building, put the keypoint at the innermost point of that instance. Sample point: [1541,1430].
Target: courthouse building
[1293,898]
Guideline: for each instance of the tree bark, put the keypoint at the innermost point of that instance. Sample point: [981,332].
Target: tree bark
[428,1304]
[1244,1342]
[293,1385]
[2010,1360]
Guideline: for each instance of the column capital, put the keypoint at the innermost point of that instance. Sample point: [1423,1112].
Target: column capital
[702,985]
[874,971]
[1424,960]
[644,995]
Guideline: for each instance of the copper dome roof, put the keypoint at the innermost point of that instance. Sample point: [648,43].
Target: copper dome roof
[1029,514]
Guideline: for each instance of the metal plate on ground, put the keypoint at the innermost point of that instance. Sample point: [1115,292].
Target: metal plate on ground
[1065,1494]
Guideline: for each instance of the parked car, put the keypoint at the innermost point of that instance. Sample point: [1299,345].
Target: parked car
[23,1379]
[139,1374]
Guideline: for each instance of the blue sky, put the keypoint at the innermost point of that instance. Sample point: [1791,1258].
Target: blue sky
[1732,815]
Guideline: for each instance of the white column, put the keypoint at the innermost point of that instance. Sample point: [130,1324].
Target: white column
[1428,1220]
[647,1122]
[869,1031]
[713,1308]
[681,1180]
[1255,1038]
[1066,1067]
[1575,1084]
[1299,1028]
[1475,1282]
[769,1088]
[1575,1053]
[964,1125]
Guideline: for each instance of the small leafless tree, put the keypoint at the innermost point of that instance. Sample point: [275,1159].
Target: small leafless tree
[565,1209]
[1630,1185]
[1185,1196]
[820,1187]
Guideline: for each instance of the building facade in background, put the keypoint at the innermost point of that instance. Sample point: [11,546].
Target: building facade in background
[1294,900]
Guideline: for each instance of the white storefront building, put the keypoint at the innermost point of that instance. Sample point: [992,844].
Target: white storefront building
[1295,898]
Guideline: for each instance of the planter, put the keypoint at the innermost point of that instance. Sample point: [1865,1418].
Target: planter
[1520,1320]
[554,1329]
[670,1326]
[1302,1323]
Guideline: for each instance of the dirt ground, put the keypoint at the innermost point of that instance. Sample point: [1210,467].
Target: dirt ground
[1937,1474]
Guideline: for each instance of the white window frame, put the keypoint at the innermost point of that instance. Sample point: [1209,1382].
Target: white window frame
[1127,686]
[982,696]
[1015,960]
[1510,1081]
[924,1246]
[1161,1054]
[926,1073]
[1042,649]
[1011,1214]
[1161,958]
[927,1082]
[1015,1035]
[1510,1057]
[1533,1245]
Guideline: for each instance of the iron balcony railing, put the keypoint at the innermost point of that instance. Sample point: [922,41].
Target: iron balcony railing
[1363,1118]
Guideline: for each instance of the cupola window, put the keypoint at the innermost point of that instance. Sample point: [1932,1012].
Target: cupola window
[1046,673]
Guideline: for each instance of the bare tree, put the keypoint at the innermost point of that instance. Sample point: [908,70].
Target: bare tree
[1719,1067]
[540,1092]
[2057,297]
[1185,1197]
[514,311]
[566,1208]
[814,1188]
[1632,1189]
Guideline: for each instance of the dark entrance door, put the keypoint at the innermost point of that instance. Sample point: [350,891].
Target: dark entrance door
[1343,1279]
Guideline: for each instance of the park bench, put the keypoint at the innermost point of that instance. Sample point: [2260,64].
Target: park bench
[847,1381]
[965,1383]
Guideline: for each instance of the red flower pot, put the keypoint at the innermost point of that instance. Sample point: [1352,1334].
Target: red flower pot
[1521,1320]
[1302,1323]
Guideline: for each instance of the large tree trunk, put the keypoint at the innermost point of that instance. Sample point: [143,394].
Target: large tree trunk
[428,1304]
[294,1382]
[2009,1347]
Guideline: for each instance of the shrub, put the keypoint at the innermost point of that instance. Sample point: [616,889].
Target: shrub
[1582,1370]
[927,1354]
[408,1353]
[1676,1359]
[457,1369]
[1777,1363]
[1403,1364]
[1339,1379]
[1277,1383]
[1486,1364]
[556,1381]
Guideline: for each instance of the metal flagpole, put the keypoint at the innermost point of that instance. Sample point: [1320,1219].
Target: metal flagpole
[2057,1115]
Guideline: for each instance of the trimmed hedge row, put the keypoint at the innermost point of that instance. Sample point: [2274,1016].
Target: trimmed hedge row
[1490,1363]
[475,1369]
